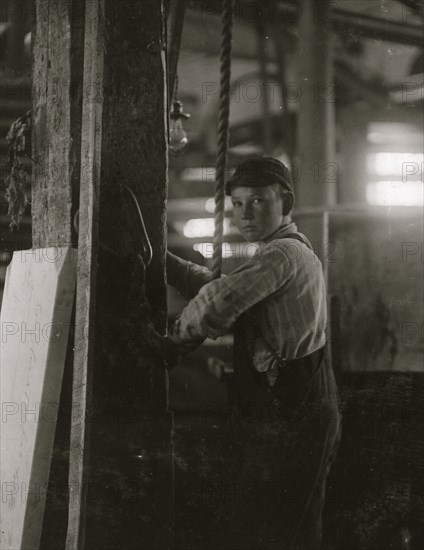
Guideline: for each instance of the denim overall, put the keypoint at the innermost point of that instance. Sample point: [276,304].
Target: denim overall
[286,439]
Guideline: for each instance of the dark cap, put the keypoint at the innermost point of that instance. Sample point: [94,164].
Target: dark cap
[259,172]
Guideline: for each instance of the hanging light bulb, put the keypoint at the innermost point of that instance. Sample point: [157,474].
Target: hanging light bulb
[177,135]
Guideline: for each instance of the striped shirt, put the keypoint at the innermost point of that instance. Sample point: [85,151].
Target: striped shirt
[282,286]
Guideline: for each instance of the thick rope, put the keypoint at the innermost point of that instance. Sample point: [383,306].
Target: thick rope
[223,134]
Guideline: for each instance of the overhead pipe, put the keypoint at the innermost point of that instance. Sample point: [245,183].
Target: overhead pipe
[377,28]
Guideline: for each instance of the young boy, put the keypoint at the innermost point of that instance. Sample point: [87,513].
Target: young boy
[286,417]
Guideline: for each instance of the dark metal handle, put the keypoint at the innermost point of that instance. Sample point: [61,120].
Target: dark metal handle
[147,247]
[147,253]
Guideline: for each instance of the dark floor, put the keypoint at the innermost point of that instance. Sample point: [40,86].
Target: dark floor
[375,489]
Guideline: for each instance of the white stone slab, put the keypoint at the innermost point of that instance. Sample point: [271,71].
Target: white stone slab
[35,318]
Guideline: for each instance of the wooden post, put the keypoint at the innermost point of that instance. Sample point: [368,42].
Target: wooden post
[87,271]
[121,495]
[316,118]
[56,123]
[128,489]
[317,173]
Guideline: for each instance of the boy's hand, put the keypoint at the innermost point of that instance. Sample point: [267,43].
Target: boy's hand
[176,350]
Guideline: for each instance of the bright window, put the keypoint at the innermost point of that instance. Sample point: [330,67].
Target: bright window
[395,193]
[203,227]
[403,165]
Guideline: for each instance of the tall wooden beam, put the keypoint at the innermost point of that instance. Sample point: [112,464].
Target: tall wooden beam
[318,172]
[130,467]
[130,482]
[79,475]
[56,123]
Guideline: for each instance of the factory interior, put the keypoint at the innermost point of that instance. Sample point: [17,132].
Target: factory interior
[110,140]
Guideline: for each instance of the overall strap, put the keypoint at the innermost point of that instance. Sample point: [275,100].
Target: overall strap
[282,361]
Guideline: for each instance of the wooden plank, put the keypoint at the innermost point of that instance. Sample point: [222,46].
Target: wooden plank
[35,319]
[52,143]
[87,264]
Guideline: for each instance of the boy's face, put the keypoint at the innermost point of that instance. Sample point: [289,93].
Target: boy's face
[258,211]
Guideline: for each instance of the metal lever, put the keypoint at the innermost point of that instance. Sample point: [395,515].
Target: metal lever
[147,253]
[147,247]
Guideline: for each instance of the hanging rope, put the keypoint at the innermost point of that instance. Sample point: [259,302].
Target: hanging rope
[223,134]
[175,94]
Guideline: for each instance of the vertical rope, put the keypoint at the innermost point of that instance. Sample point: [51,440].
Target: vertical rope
[175,94]
[223,134]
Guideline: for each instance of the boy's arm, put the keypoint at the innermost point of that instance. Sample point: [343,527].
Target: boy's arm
[187,277]
[219,303]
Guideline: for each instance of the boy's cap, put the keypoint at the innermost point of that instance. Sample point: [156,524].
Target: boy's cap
[259,172]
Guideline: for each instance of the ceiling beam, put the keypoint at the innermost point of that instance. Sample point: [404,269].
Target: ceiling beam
[377,28]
